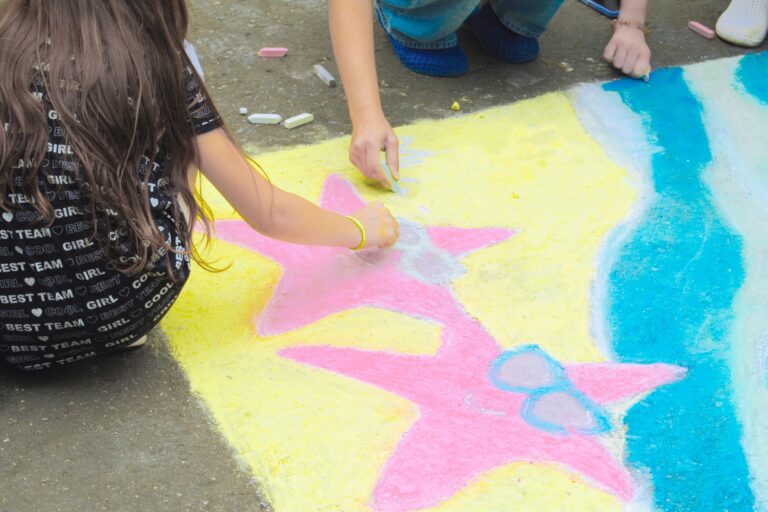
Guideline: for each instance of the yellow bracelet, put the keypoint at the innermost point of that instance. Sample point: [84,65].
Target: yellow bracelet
[360,226]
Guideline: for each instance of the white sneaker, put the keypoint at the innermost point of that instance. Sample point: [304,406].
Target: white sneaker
[744,22]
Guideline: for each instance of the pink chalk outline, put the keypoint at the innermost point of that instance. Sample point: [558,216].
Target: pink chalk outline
[467,425]
[321,281]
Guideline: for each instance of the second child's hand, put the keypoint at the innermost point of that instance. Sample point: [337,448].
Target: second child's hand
[369,139]
[351,24]
[628,50]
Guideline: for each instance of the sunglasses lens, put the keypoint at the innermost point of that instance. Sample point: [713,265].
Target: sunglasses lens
[526,370]
[566,411]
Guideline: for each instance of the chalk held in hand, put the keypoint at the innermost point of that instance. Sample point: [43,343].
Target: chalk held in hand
[273,53]
[394,186]
[324,75]
[701,29]
[265,118]
[299,120]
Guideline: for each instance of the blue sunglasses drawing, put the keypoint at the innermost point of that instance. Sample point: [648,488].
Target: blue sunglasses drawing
[553,403]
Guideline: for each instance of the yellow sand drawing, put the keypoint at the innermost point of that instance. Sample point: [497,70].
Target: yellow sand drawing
[316,440]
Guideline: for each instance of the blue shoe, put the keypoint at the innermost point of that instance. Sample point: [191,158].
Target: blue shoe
[442,62]
[498,40]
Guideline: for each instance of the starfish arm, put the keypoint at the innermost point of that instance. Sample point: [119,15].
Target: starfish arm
[436,458]
[430,303]
[290,308]
[588,457]
[339,195]
[304,296]
[238,232]
[467,343]
[460,241]
[413,377]
[308,295]
[609,382]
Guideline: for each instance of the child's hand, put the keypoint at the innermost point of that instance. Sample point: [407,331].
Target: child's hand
[381,228]
[369,138]
[628,51]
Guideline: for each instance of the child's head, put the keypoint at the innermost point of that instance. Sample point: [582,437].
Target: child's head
[113,71]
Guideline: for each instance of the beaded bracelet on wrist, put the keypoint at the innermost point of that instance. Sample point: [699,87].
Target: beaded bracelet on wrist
[642,27]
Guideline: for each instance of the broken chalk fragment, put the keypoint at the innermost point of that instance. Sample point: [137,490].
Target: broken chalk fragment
[701,29]
[243,111]
[194,59]
[324,75]
[456,106]
[299,120]
[273,52]
[265,118]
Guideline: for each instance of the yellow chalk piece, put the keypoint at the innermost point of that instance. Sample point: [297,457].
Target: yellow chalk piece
[456,106]
[317,441]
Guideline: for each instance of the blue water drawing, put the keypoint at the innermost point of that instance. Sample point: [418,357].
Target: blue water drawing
[670,296]
[752,75]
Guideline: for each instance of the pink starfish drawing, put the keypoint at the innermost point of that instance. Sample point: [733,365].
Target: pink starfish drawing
[413,278]
[468,425]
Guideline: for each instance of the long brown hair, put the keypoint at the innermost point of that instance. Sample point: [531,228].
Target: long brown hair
[114,72]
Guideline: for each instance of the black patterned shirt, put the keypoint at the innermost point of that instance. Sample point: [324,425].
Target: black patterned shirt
[61,300]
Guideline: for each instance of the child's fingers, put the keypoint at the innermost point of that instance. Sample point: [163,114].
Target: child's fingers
[373,166]
[610,51]
[629,63]
[641,69]
[392,234]
[357,160]
[619,58]
[393,155]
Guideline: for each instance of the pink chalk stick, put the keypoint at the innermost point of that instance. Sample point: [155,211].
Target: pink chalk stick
[273,52]
[702,30]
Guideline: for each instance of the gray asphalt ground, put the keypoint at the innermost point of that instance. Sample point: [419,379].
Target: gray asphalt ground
[124,433]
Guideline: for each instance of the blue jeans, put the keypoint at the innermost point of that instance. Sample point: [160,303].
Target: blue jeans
[432,24]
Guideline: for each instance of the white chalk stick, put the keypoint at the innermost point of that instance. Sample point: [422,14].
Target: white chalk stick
[273,52]
[193,58]
[243,111]
[701,29]
[299,120]
[265,118]
[324,75]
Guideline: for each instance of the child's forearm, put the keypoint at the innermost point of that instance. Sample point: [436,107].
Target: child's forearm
[294,219]
[351,27]
[634,11]
[268,209]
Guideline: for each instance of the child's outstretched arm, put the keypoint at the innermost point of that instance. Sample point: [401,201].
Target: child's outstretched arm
[627,49]
[352,37]
[282,215]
